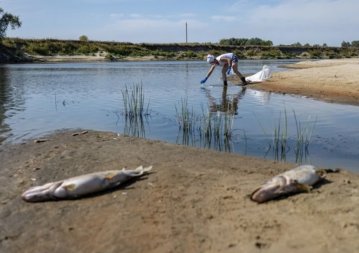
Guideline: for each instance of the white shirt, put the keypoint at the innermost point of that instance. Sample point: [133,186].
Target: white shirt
[228,56]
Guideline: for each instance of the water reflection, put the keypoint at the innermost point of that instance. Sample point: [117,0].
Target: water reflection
[134,126]
[228,103]
[4,101]
[3,127]
[263,97]
[221,114]
[213,129]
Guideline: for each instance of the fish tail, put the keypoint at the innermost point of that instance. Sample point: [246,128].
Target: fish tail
[139,171]
[147,169]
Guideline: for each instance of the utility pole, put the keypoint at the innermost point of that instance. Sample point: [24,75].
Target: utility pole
[186,33]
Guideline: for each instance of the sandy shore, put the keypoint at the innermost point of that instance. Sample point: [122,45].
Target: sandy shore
[194,201]
[330,80]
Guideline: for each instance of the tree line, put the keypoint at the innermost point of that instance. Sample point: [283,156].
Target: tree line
[245,42]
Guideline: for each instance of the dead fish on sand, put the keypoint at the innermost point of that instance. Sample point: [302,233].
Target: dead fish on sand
[299,179]
[80,186]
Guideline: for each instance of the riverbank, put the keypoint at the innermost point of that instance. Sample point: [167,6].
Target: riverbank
[194,201]
[330,80]
[69,50]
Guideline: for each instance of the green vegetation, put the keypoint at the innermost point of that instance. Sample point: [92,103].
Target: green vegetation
[186,120]
[280,138]
[281,144]
[114,51]
[134,110]
[83,38]
[6,20]
[212,130]
[134,101]
[245,42]
[216,130]
[304,134]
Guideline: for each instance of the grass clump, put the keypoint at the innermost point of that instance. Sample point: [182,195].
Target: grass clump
[304,134]
[134,101]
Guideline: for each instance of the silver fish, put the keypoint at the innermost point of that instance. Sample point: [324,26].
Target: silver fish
[299,179]
[80,186]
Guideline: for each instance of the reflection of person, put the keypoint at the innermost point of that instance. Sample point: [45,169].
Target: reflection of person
[227,105]
[228,61]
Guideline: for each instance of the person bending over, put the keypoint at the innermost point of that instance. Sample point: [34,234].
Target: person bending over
[227,61]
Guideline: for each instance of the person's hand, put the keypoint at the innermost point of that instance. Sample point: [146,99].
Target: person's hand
[204,80]
[229,70]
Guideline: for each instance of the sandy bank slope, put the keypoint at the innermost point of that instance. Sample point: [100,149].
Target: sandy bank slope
[331,80]
[195,201]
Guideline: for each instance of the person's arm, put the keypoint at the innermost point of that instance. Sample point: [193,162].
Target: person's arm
[209,73]
[210,70]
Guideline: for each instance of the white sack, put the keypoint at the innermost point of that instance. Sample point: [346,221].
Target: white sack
[260,76]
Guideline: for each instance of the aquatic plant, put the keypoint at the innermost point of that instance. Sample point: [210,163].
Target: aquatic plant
[216,128]
[280,143]
[134,127]
[280,138]
[134,110]
[208,130]
[186,119]
[304,134]
[134,101]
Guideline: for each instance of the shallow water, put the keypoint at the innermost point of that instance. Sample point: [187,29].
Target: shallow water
[37,99]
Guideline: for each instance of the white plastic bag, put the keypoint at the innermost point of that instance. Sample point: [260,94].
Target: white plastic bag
[260,76]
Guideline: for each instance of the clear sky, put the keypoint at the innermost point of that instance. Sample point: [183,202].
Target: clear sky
[163,21]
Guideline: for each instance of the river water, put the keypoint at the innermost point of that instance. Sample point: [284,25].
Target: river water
[38,99]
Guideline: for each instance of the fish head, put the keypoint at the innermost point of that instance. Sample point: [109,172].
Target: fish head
[41,193]
[276,187]
[270,190]
[265,193]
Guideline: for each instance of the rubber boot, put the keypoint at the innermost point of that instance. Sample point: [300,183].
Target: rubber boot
[244,82]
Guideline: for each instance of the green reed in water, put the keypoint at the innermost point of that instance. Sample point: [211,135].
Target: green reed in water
[217,127]
[210,128]
[134,110]
[280,143]
[186,119]
[304,134]
[280,139]
[134,101]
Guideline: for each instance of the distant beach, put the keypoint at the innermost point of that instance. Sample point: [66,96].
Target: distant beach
[335,80]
